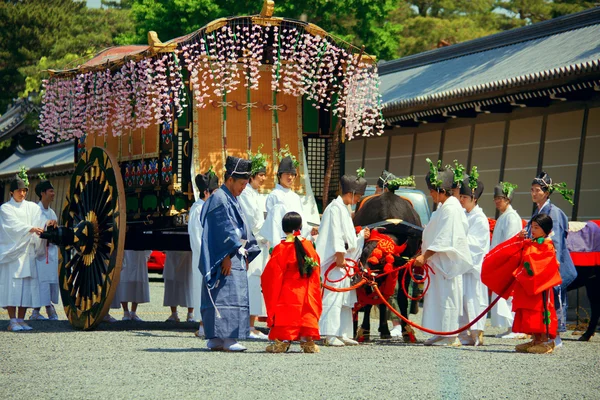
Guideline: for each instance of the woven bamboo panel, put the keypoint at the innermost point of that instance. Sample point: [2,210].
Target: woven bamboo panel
[208,136]
[208,129]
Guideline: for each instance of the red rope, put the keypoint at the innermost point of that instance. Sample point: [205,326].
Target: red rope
[366,278]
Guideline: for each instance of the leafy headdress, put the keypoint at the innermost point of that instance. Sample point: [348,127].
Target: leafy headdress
[258,160]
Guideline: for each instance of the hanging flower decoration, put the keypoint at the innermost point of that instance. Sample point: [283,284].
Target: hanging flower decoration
[141,89]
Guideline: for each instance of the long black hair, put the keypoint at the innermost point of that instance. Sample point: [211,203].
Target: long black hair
[544,221]
[290,223]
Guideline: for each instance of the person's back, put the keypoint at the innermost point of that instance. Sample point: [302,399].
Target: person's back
[292,290]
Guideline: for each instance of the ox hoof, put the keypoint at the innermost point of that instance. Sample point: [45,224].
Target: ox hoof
[584,338]
[385,336]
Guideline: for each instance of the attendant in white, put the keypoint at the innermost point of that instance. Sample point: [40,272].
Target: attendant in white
[133,285]
[282,200]
[47,257]
[475,293]
[252,204]
[20,226]
[446,250]
[508,225]
[206,184]
[337,241]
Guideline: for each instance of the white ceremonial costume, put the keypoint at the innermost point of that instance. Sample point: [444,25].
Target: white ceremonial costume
[279,202]
[446,235]
[195,232]
[250,201]
[183,282]
[507,226]
[19,285]
[337,234]
[47,263]
[475,293]
[133,285]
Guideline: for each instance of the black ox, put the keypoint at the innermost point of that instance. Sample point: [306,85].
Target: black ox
[378,208]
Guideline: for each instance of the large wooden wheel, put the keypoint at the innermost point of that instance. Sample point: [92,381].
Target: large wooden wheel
[95,212]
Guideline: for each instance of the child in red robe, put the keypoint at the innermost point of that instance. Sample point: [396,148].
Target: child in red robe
[533,298]
[291,287]
[527,269]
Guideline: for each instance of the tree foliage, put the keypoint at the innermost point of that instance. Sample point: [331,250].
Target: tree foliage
[50,33]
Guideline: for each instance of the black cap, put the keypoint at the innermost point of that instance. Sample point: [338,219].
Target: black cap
[504,189]
[466,190]
[446,176]
[287,166]
[384,178]
[42,187]
[202,182]
[353,184]
[238,167]
[543,180]
[213,182]
[18,183]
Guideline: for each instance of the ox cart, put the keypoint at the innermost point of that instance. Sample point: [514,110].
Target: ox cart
[148,118]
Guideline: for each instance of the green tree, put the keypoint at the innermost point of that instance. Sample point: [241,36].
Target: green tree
[58,30]
[533,11]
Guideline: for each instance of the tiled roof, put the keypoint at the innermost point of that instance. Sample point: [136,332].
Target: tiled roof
[55,157]
[519,58]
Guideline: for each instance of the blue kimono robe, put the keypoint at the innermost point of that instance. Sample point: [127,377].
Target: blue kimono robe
[224,303]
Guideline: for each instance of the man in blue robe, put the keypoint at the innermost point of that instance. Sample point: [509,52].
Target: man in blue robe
[541,189]
[227,247]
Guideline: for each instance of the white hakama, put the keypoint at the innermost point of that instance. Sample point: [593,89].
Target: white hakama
[337,235]
[475,293]
[195,232]
[183,284]
[446,235]
[252,206]
[133,285]
[19,284]
[47,264]
[507,226]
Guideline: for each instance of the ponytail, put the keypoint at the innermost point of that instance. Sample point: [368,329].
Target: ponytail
[305,268]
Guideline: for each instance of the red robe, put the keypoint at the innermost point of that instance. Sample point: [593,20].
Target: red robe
[293,302]
[533,270]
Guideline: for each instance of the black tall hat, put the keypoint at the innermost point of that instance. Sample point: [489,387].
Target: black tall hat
[353,184]
[202,182]
[18,183]
[213,182]
[505,189]
[42,187]
[384,178]
[446,178]
[238,167]
[287,166]
[466,190]
[543,180]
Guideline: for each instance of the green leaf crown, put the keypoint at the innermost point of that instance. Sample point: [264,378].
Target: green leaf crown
[433,173]
[285,152]
[258,160]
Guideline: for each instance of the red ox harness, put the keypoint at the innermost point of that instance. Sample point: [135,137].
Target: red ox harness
[386,250]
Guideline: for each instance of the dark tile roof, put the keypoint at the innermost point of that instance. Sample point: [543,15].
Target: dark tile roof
[14,117]
[55,157]
[522,57]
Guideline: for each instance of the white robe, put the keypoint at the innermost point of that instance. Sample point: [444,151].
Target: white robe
[19,284]
[336,232]
[507,226]
[446,234]
[250,201]
[475,293]
[195,232]
[182,281]
[279,202]
[47,264]
[133,284]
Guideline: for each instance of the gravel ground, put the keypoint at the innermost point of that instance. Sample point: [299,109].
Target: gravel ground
[162,360]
